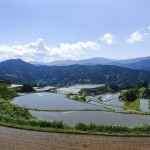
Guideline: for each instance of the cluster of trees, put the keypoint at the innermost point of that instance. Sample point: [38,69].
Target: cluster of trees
[27,87]
[144,92]
[76,97]
[6,82]
[79,98]
[141,91]
[130,95]
[8,109]
[5,92]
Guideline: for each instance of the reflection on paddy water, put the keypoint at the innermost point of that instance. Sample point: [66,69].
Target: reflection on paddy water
[144,105]
[52,101]
[98,117]
[76,88]
[108,99]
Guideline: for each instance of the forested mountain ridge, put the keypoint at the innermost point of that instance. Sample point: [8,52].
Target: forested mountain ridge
[20,71]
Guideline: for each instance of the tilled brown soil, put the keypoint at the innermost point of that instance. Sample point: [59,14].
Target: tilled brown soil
[17,139]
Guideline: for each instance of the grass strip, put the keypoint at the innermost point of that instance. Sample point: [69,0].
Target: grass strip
[78,128]
[133,106]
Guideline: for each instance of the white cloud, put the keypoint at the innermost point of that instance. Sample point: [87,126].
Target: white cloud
[149,27]
[38,51]
[135,37]
[70,50]
[39,45]
[108,38]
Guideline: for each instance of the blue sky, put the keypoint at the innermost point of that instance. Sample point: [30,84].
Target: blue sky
[47,30]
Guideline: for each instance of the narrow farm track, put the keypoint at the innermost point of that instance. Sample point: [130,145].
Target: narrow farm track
[18,139]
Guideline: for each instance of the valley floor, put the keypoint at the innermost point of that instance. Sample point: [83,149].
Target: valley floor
[18,139]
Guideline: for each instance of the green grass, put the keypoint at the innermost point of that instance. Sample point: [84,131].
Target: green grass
[31,122]
[14,111]
[59,126]
[7,93]
[133,106]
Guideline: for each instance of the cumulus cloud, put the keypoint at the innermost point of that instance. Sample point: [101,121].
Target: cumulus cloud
[39,45]
[108,38]
[135,37]
[149,27]
[38,51]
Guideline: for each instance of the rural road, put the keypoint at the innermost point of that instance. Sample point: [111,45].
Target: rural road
[17,139]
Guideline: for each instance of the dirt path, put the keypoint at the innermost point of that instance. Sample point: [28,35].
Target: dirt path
[17,139]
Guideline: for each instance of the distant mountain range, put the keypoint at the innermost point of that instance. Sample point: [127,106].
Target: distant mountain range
[18,71]
[91,61]
[142,63]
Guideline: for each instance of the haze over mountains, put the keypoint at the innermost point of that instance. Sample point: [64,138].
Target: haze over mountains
[18,71]
[142,63]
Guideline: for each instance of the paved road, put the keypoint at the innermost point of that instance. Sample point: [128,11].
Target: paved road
[17,139]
